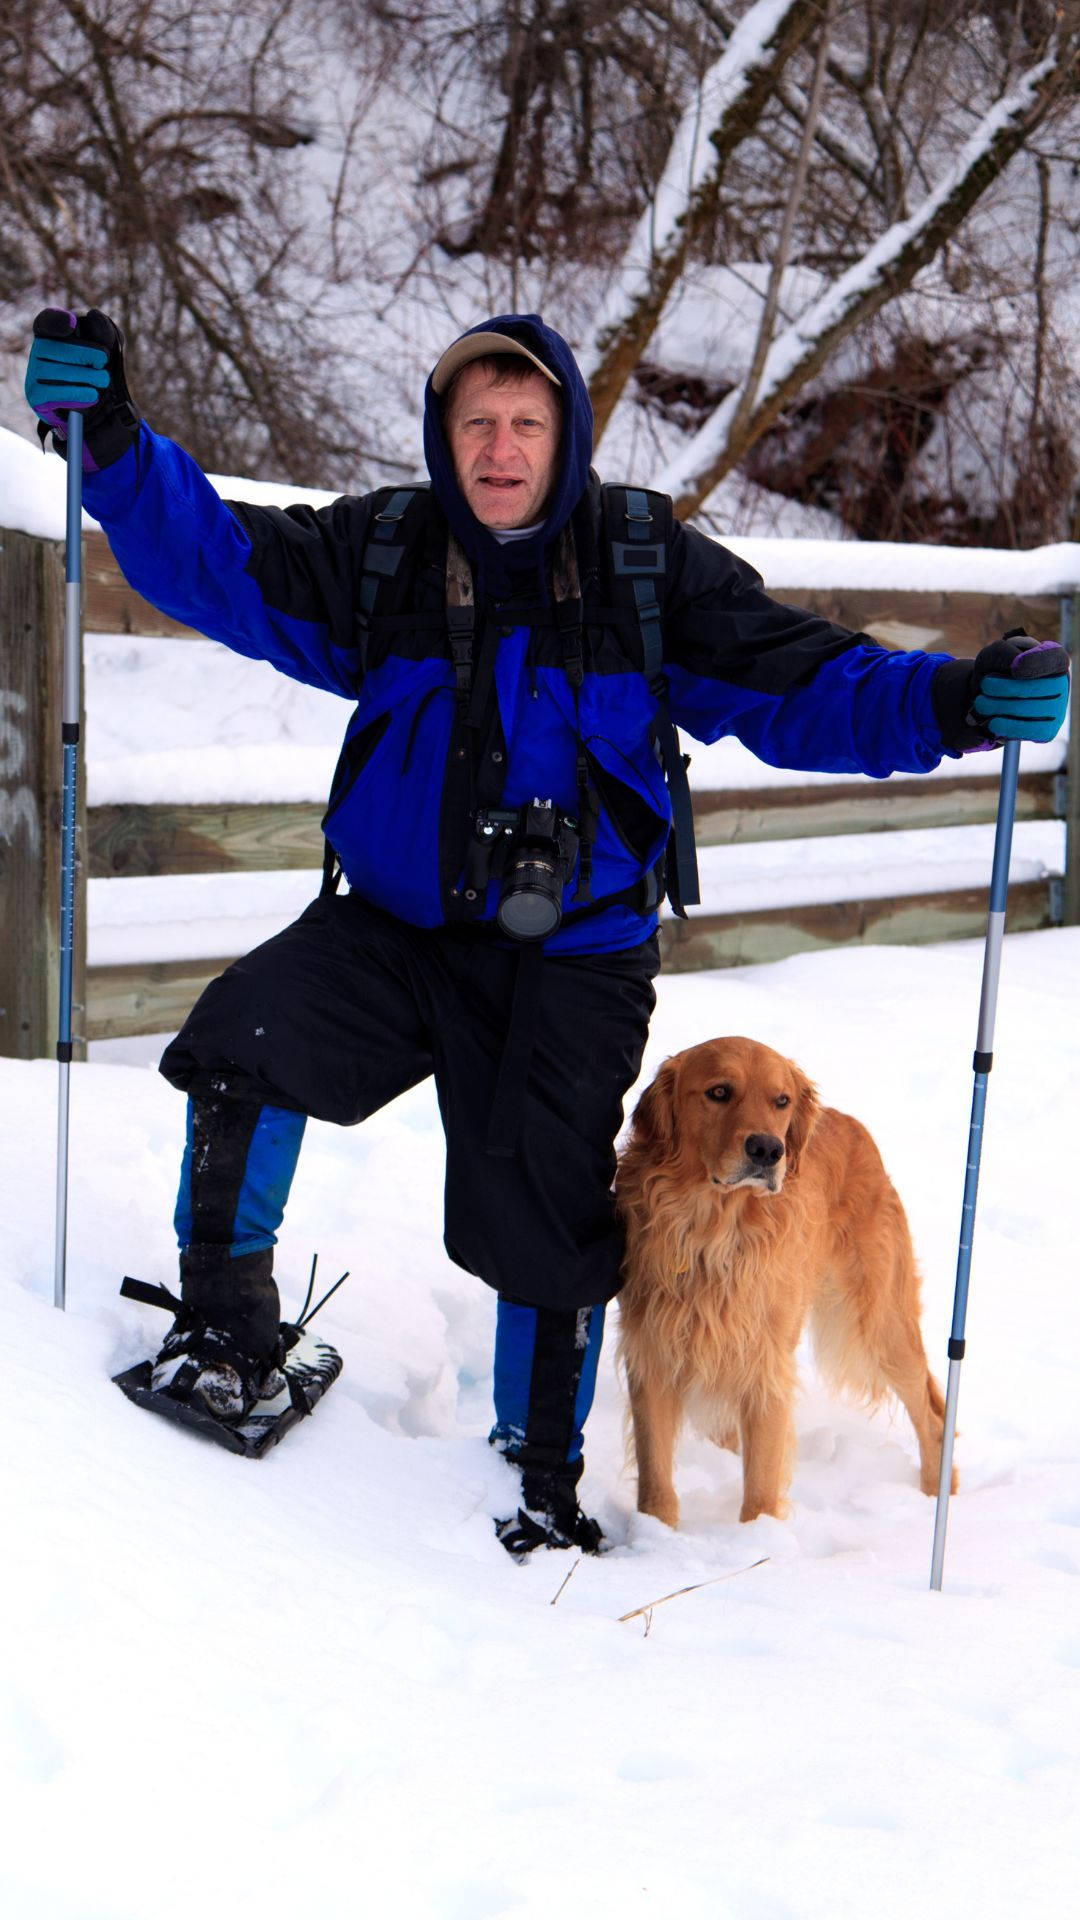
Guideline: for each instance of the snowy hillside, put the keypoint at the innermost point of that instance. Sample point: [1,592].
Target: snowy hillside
[292,209]
[316,1684]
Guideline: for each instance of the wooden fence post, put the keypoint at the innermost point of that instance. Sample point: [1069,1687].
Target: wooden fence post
[31,663]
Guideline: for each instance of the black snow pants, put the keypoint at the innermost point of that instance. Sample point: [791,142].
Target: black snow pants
[348,1008]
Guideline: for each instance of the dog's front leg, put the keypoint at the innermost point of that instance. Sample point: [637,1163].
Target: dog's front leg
[768,1442]
[656,1413]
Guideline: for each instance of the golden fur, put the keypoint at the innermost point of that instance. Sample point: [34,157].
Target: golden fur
[750,1208]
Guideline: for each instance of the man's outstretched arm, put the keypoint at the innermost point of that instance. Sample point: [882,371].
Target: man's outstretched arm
[803,693]
[286,598]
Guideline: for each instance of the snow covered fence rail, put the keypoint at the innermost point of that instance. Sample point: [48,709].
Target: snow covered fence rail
[962,600]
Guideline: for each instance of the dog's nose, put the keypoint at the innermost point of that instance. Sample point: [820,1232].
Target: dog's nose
[764,1149]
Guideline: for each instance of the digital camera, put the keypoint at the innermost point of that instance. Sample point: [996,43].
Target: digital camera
[541,846]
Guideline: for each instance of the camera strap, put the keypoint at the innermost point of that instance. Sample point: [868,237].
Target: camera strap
[461,620]
[635,536]
[508,1105]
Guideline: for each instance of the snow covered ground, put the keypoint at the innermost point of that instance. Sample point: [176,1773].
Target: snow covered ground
[316,1684]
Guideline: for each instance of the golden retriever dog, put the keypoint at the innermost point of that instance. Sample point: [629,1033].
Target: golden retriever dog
[749,1209]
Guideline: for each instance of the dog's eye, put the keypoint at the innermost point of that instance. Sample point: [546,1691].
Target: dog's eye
[719,1093]
[782,1100]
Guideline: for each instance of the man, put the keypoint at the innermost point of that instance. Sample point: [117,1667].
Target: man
[501,818]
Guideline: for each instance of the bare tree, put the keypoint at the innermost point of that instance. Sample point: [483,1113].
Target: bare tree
[897,194]
[548,118]
[888,268]
[748,393]
[723,112]
[900,161]
[147,160]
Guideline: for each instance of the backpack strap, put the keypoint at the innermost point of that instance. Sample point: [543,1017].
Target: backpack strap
[643,897]
[331,868]
[637,527]
[386,541]
[569,616]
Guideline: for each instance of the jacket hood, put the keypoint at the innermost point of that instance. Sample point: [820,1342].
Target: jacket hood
[492,561]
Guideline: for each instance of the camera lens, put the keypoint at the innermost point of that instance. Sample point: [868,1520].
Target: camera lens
[531,904]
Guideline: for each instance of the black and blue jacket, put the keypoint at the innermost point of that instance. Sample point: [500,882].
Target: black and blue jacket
[286,586]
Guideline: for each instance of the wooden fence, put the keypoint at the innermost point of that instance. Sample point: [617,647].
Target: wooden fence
[124,841]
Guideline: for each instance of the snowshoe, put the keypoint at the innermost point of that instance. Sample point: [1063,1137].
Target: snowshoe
[200,1379]
[550,1517]
[527,1531]
[198,1362]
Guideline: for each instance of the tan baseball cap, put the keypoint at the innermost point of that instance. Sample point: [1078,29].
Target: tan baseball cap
[476,346]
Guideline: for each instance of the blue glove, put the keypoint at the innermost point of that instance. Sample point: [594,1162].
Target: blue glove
[1017,688]
[1020,688]
[77,365]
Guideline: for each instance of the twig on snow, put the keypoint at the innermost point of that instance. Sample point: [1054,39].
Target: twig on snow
[679,1591]
[568,1579]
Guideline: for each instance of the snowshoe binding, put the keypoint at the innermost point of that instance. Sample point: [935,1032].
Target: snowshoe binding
[550,1517]
[202,1379]
[198,1362]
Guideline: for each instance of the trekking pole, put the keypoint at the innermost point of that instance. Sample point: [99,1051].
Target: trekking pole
[69,734]
[984,1060]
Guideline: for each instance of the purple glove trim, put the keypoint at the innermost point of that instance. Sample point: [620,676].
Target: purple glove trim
[1019,668]
[56,414]
[55,419]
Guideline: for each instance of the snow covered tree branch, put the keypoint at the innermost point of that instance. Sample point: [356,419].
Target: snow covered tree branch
[886,269]
[730,102]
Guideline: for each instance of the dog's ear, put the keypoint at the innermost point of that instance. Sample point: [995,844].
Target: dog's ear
[804,1119]
[654,1116]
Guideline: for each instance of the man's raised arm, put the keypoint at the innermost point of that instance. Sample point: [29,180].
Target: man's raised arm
[176,541]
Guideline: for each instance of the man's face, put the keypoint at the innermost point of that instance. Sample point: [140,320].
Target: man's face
[504,441]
